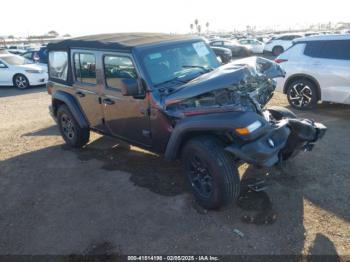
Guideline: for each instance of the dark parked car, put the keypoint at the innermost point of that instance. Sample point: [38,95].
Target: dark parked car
[225,54]
[169,94]
[39,56]
[236,48]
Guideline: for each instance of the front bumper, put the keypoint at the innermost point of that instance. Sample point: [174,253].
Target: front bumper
[287,138]
[37,79]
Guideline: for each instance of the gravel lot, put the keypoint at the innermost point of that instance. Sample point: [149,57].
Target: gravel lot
[111,198]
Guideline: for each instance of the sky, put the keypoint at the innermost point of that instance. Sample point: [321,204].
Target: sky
[83,17]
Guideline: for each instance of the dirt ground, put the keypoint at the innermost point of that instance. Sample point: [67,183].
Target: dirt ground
[111,198]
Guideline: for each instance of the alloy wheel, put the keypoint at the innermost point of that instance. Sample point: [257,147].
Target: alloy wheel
[21,81]
[300,95]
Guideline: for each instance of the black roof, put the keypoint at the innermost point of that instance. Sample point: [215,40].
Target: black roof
[118,41]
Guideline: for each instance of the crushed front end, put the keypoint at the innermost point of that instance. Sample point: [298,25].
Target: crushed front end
[229,103]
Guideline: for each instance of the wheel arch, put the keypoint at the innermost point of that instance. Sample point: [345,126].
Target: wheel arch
[213,124]
[59,98]
[302,76]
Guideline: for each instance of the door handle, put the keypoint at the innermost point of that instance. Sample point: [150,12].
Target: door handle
[80,94]
[108,101]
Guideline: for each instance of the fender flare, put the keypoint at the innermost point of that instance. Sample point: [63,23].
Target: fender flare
[210,123]
[73,106]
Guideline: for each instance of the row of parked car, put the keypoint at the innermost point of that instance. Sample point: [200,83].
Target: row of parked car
[22,71]
[317,67]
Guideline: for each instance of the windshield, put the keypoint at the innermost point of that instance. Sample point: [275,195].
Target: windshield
[15,60]
[178,63]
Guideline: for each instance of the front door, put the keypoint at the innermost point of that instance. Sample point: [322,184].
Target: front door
[86,86]
[125,116]
[5,75]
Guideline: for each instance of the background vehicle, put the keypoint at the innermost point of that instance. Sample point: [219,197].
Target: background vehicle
[37,56]
[235,47]
[278,44]
[20,72]
[170,95]
[225,54]
[255,46]
[317,68]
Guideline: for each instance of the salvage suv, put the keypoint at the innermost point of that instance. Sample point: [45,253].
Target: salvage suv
[170,95]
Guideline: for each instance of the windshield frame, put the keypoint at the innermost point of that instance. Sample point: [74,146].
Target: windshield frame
[141,52]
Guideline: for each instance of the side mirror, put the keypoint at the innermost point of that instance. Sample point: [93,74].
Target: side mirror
[2,65]
[131,87]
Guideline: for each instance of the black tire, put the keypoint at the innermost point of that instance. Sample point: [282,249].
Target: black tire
[72,133]
[302,94]
[20,81]
[277,50]
[279,112]
[219,184]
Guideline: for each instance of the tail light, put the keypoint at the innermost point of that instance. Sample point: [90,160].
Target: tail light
[49,87]
[279,60]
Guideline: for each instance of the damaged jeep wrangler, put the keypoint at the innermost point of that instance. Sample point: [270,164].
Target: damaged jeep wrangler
[170,95]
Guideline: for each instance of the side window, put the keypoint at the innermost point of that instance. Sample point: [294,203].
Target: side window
[117,68]
[85,68]
[58,65]
[336,49]
[313,48]
[28,55]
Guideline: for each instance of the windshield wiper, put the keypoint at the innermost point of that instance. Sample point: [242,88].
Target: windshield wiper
[205,69]
[175,79]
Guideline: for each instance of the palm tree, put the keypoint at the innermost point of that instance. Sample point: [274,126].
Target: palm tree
[196,22]
[207,26]
[199,28]
[191,26]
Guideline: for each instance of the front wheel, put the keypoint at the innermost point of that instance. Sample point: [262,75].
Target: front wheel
[20,81]
[211,172]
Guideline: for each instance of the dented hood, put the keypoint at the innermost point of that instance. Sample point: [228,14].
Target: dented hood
[250,75]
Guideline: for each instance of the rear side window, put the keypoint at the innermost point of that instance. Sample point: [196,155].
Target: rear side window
[58,66]
[117,68]
[85,68]
[337,49]
[313,48]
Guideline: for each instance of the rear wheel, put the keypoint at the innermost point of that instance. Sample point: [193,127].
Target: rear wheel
[20,81]
[211,172]
[277,50]
[302,94]
[71,132]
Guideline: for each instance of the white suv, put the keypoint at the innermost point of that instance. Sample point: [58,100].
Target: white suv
[278,44]
[317,68]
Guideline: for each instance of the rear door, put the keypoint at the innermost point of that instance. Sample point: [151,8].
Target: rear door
[333,71]
[87,88]
[125,116]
